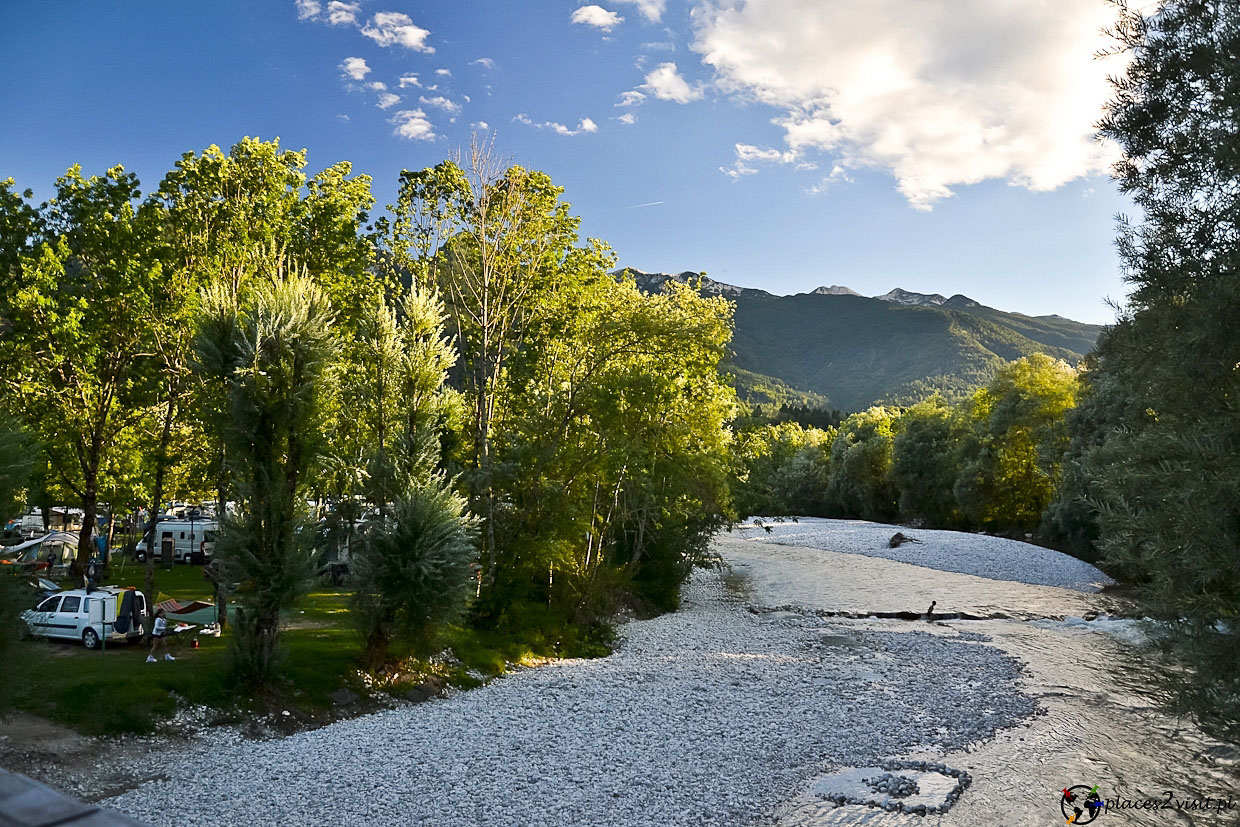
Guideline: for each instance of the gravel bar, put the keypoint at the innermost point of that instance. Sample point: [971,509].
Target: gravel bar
[708,716]
[996,558]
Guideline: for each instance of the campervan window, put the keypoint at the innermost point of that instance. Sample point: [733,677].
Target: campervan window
[71,605]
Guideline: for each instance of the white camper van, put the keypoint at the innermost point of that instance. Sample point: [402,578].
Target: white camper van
[187,540]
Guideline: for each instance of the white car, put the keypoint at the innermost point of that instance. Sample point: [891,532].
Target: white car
[114,613]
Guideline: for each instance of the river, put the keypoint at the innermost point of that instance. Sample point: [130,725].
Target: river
[1091,679]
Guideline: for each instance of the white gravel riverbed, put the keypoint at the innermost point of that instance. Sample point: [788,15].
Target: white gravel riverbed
[981,555]
[711,715]
[736,711]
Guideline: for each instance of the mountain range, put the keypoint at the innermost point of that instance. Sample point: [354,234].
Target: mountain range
[833,347]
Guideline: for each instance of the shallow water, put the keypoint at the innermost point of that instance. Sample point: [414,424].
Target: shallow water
[1100,724]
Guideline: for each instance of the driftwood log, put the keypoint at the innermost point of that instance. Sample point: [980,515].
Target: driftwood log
[900,538]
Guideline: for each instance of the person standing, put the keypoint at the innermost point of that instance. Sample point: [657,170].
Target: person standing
[159,638]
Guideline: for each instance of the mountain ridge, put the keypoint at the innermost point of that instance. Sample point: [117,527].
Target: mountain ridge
[897,295]
[851,351]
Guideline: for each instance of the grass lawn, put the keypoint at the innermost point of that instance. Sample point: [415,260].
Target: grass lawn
[117,691]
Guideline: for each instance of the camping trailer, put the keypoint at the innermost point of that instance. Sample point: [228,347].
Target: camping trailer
[186,539]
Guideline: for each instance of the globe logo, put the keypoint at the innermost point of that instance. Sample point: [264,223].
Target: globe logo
[1081,804]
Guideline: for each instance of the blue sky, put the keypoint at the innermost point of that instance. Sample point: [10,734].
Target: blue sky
[932,145]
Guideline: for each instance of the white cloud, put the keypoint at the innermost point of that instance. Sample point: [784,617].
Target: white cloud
[939,94]
[412,124]
[652,10]
[342,118]
[660,46]
[837,175]
[665,83]
[481,126]
[409,80]
[749,152]
[387,100]
[377,86]
[444,73]
[584,125]
[308,9]
[354,67]
[343,14]
[390,28]
[631,98]
[440,102]
[628,118]
[738,169]
[596,16]
[484,62]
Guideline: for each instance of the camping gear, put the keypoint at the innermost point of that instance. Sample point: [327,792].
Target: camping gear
[196,612]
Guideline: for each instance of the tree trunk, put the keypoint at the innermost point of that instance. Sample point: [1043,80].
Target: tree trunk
[221,511]
[484,469]
[161,463]
[90,502]
[381,434]
[111,527]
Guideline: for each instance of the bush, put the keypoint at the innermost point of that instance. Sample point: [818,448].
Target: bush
[412,572]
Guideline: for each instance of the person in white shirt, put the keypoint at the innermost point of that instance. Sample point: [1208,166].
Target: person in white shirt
[159,638]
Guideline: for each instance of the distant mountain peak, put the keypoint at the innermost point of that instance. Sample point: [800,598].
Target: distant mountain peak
[835,290]
[654,282]
[902,296]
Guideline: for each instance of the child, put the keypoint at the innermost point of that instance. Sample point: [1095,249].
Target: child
[158,639]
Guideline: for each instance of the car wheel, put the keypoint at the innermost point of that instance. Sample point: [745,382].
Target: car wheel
[90,639]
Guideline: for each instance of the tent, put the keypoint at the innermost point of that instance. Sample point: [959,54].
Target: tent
[54,550]
[53,537]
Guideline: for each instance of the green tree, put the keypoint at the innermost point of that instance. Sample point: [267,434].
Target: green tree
[496,240]
[925,453]
[226,219]
[611,452]
[783,470]
[1010,468]
[860,482]
[1165,482]
[76,346]
[274,355]
[17,462]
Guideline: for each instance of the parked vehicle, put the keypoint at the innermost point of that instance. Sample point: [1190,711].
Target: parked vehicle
[189,539]
[89,616]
